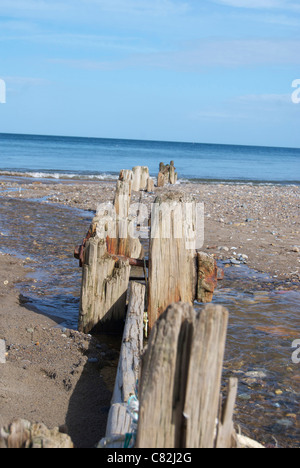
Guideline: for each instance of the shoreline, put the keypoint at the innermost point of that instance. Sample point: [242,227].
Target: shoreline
[66,178]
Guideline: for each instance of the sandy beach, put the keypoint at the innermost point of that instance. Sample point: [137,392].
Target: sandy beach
[48,375]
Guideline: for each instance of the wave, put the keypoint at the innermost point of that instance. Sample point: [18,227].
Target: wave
[114,176]
[60,175]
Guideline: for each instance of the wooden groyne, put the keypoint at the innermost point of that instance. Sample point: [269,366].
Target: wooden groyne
[167,394]
[175,270]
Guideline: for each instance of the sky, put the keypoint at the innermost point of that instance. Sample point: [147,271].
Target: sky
[208,71]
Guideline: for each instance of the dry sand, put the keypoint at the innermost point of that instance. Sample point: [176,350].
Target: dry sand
[47,376]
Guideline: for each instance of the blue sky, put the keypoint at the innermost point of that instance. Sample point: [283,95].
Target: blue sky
[212,71]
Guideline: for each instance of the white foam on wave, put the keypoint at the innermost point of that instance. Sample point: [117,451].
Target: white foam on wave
[56,175]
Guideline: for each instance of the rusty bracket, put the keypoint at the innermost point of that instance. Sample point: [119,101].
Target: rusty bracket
[140,263]
[79,249]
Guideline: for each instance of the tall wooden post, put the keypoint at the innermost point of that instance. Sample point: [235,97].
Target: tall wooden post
[181,380]
[104,287]
[172,257]
[140,178]
[105,278]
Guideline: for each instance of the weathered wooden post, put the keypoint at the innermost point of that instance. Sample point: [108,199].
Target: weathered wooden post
[160,180]
[172,174]
[106,269]
[181,380]
[167,174]
[126,174]
[172,257]
[150,185]
[119,241]
[119,421]
[140,178]
[104,288]
[207,277]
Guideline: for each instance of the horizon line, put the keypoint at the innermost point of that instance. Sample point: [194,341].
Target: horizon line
[146,140]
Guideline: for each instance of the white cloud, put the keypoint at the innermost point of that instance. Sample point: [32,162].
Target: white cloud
[18,7]
[262,4]
[217,114]
[252,107]
[207,54]
[152,7]
[23,80]
[17,84]
[276,99]
[36,8]
[240,53]
[108,43]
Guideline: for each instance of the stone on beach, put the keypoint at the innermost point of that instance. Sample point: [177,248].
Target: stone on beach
[2,352]
[22,434]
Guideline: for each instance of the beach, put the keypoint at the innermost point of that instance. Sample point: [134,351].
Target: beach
[58,376]
[260,221]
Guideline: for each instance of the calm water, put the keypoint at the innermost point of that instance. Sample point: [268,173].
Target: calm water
[61,157]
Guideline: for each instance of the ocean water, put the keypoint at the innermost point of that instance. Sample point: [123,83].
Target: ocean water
[99,158]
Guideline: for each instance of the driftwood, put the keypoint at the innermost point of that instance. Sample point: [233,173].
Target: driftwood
[172,263]
[119,420]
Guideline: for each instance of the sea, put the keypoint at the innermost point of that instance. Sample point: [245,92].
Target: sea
[58,157]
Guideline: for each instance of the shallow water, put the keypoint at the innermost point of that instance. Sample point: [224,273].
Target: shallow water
[263,324]
[264,317]
[44,236]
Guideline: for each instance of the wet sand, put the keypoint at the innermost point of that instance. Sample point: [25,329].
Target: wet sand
[47,376]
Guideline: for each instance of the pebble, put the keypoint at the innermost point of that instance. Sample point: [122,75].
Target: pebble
[234,261]
[224,248]
[244,396]
[256,375]
[243,256]
[285,422]
[2,352]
